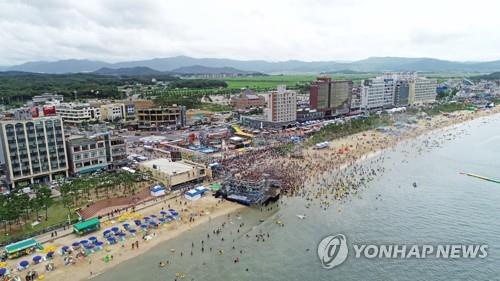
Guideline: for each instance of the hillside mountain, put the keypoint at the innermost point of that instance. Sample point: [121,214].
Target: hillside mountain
[200,69]
[128,71]
[491,76]
[62,66]
[180,63]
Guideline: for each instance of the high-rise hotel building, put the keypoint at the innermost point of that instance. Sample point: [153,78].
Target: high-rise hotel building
[331,96]
[33,150]
[282,105]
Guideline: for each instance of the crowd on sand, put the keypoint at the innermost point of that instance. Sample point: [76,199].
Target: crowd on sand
[320,176]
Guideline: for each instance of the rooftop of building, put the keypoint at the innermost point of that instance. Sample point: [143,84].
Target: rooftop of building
[79,140]
[40,118]
[167,166]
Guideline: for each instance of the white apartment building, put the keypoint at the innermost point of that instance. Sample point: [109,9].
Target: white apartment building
[377,93]
[282,105]
[397,89]
[113,111]
[422,90]
[77,113]
[45,98]
[33,151]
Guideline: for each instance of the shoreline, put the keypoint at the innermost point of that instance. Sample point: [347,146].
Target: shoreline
[204,210]
[424,132]
[95,264]
[161,238]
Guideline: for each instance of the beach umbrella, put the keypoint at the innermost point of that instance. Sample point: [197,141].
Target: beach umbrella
[93,239]
[147,218]
[137,222]
[24,263]
[171,210]
[3,271]
[99,243]
[115,229]
[50,254]
[37,259]
[163,213]
[126,225]
[106,232]
[83,242]
[132,231]
[65,249]
[162,220]
[153,216]
[144,225]
[152,223]
[75,245]
[89,246]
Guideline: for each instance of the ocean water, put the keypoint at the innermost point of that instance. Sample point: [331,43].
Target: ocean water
[445,208]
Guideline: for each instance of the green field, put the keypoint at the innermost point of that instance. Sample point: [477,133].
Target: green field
[261,82]
[270,82]
[57,214]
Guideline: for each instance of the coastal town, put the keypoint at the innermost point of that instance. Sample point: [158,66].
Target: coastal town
[303,140]
[86,183]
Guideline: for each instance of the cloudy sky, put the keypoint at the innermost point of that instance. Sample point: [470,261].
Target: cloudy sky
[118,30]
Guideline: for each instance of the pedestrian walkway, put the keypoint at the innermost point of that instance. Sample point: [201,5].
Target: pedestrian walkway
[141,208]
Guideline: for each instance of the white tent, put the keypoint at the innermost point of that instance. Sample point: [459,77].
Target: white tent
[192,195]
[157,190]
[201,189]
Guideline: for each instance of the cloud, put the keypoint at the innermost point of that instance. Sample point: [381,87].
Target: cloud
[116,30]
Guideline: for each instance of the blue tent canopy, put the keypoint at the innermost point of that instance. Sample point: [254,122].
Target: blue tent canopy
[24,263]
[3,271]
[157,188]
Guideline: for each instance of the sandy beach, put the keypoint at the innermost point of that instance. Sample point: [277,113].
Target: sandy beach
[313,170]
[200,211]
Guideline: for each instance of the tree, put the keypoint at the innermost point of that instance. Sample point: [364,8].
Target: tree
[36,202]
[44,197]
